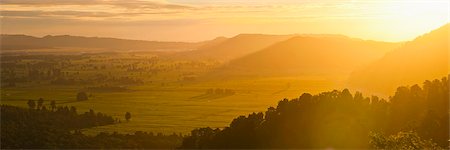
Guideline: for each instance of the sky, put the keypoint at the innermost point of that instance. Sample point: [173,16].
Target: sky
[198,20]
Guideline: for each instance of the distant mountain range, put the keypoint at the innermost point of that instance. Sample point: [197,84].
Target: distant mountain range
[307,55]
[426,57]
[373,66]
[18,42]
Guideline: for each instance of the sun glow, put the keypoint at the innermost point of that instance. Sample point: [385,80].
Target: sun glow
[383,20]
[401,15]
[414,10]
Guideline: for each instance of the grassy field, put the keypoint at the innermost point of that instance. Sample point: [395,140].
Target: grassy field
[175,107]
[171,95]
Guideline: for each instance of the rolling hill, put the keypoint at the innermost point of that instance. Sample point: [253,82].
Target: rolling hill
[18,42]
[307,56]
[426,57]
[235,47]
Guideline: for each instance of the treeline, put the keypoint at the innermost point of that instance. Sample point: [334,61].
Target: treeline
[38,127]
[93,69]
[63,118]
[414,118]
[59,127]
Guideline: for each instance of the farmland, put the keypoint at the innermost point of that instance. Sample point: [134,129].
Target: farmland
[162,94]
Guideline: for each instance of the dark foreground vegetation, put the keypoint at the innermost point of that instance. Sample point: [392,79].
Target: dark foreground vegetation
[414,118]
[59,127]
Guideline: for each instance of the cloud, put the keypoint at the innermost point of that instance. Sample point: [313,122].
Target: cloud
[91,9]
[72,14]
[50,2]
[129,4]
[36,14]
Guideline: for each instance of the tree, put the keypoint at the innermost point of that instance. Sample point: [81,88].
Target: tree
[402,140]
[44,108]
[82,96]
[73,110]
[53,105]
[40,102]
[128,116]
[417,117]
[31,104]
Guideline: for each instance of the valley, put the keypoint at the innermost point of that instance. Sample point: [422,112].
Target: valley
[163,95]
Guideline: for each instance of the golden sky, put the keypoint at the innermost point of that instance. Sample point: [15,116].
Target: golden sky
[196,20]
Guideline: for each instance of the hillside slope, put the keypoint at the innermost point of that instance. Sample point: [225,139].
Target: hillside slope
[426,57]
[234,47]
[308,56]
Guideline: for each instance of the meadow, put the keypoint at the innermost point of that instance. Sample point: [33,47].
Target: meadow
[163,96]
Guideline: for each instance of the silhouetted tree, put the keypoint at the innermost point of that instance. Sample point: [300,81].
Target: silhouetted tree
[40,102]
[128,116]
[31,104]
[43,108]
[402,140]
[53,105]
[339,119]
[60,129]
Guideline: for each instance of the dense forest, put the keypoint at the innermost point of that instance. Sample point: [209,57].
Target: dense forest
[60,127]
[414,118]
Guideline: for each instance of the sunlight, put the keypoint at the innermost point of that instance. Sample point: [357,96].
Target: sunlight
[434,11]
[224,74]
[398,20]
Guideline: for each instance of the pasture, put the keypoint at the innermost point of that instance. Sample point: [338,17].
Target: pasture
[158,93]
[174,108]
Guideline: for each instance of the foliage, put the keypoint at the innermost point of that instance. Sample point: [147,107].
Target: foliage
[336,119]
[403,140]
[37,128]
[60,128]
[127,116]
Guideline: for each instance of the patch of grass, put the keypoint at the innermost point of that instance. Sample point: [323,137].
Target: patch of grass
[171,108]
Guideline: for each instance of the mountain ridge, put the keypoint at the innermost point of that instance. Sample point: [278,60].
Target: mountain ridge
[298,56]
[425,57]
[234,47]
[21,41]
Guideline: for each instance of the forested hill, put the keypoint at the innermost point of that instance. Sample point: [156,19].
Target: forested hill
[426,57]
[414,118]
[298,56]
[14,42]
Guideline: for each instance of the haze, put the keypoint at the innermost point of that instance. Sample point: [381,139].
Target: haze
[224,74]
[198,20]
